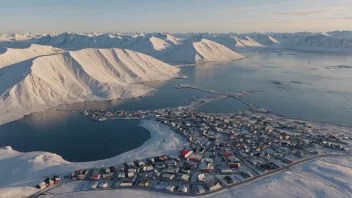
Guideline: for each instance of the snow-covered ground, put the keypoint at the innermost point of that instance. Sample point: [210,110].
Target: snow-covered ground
[25,170]
[314,179]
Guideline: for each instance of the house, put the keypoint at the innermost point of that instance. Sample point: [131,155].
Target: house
[49,182]
[121,175]
[195,157]
[160,165]
[212,185]
[201,177]
[233,159]
[148,168]
[130,174]
[227,154]
[41,185]
[103,185]
[144,184]
[225,171]
[182,188]
[234,165]
[96,176]
[171,162]
[140,163]
[171,169]
[206,167]
[183,177]
[94,185]
[229,180]
[246,174]
[130,164]
[200,189]
[168,176]
[186,153]
[162,158]
[125,184]
[170,188]
[107,175]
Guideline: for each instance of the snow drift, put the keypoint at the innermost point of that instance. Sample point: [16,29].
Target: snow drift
[85,75]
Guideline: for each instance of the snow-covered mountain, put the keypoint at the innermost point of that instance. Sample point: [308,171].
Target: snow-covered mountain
[263,39]
[84,75]
[197,50]
[12,56]
[234,42]
[316,42]
[150,43]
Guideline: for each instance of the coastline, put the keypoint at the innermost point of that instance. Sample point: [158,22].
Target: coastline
[29,168]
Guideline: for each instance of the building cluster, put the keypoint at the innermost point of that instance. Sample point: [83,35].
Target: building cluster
[49,181]
[101,115]
[225,150]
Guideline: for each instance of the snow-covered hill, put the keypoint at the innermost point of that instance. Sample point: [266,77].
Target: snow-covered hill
[263,39]
[84,75]
[234,42]
[318,42]
[197,50]
[12,56]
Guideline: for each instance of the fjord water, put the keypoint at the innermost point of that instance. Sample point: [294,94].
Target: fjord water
[294,84]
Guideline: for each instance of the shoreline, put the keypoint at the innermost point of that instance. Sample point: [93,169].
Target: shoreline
[35,165]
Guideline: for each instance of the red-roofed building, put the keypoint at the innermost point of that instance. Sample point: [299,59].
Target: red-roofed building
[186,153]
[195,157]
[234,165]
[227,154]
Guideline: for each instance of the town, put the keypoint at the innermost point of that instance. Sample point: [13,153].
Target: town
[225,150]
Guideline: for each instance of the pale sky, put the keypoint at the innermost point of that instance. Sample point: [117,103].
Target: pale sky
[175,15]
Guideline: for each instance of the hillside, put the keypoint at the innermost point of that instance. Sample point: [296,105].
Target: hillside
[197,50]
[234,42]
[319,42]
[12,56]
[85,75]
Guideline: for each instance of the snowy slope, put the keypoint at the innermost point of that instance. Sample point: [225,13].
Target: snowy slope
[263,39]
[85,75]
[12,56]
[234,42]
[317,42]
[148,45]
[196,50]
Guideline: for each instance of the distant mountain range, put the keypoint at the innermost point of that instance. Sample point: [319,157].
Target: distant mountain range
[155,42]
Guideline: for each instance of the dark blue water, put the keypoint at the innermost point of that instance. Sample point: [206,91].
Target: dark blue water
[308,91]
